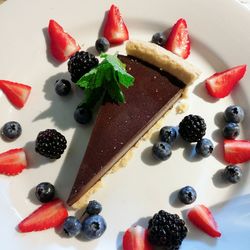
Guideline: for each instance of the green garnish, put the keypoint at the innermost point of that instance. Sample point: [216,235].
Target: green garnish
[106,78]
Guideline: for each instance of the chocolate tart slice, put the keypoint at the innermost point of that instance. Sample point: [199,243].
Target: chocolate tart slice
[118,127]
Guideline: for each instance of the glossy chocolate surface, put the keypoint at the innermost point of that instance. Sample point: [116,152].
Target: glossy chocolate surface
[118,127]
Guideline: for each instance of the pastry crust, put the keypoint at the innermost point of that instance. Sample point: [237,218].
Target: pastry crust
[164,59]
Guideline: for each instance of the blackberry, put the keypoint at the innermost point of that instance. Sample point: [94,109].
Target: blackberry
[50,143]
[166,230]
[192,128]
[81,63]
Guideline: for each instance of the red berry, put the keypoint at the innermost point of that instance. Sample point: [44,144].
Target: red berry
[135,238]
[236,151]
[115,30]
[48,215]
[17,93]
[178,40]
[62,45]
[221,84]
[202,217]
[12,162]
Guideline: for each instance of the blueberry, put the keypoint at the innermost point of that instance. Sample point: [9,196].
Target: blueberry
[83,114]
[93,226]
[231,130]
[11,130]
[162,150]
[102,44]
[72,226]
[204,147]
[45,192]
[232,173]
[168,134]
[62,87]
[94,207]
[234,114]
[187,195]
[159,38]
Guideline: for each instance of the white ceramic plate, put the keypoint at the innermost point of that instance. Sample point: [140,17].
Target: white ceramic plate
[220,39]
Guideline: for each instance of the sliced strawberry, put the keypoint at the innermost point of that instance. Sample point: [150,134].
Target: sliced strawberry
[12,162]
[62,45]
[135,238]
[202,217]
[236,151]
[17,93]
[178,40]
[48,215]
[115,29]
[222,83]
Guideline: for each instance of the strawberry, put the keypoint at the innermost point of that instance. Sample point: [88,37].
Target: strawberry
[115,29]
[135,238]
[62,45]
[48,215]
[202,217]
[12,162]
[17,93]
[178,40]
[236,151]
[221,84]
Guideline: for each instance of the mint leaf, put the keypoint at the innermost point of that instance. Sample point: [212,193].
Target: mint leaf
[115,92]
[120,72]
[106,77]
[94,78]
[92,96]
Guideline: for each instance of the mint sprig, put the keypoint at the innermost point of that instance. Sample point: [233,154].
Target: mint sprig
[106,78]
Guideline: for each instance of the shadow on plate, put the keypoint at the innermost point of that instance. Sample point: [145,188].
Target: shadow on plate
[34,159]
[61,109]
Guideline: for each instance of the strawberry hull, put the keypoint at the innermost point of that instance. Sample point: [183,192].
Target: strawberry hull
[236,151]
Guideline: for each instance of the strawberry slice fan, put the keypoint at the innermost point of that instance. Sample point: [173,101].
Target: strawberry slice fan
[17,93]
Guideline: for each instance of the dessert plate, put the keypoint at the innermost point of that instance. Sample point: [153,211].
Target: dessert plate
[133,194]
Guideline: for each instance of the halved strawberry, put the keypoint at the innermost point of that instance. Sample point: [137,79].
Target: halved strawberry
[135,238]
[222,83]
[62,45]
[17,93]
[12,162]
[48,215]
[178,40]
[236,151]
[115,29]
[202,217]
